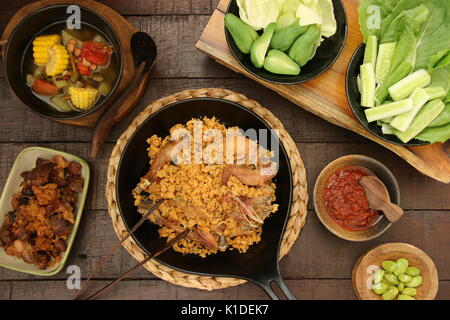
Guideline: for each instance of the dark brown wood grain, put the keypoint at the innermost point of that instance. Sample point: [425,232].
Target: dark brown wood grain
[319,265]
[305,289]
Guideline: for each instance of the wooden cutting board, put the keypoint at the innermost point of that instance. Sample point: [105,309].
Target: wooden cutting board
[325,96]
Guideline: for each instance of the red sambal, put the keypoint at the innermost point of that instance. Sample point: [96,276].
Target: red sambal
[346,200]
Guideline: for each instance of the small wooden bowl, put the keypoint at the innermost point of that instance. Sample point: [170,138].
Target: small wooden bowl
[393,251]
[381,171]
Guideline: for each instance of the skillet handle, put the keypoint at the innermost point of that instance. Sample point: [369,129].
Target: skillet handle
[265,284]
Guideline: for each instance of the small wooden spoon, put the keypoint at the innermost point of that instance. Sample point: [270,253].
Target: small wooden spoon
[379,198]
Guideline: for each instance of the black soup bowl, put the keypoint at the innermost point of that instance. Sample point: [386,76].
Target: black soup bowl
[354,100]
[260,263]
[328,52]
[20,42]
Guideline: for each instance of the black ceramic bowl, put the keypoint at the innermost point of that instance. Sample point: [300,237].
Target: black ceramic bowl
[326,55]
[260,263]
[354,100]
[21,40]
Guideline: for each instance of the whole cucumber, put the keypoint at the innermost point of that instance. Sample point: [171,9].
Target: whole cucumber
[242,33]
[303,48]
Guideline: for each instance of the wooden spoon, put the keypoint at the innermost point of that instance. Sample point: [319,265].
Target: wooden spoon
[379,198]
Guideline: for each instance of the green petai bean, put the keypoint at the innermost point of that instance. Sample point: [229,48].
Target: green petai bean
[404,297]
[402,265]
[390,294]
[412,271]
[409,291]
[404,278]
[389,265]
[392,279]
[415,282]
[378,276]
[380,288]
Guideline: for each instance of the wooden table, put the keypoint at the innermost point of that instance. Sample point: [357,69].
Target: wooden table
[319,265]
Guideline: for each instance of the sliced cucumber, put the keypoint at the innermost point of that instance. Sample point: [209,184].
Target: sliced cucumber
[387,120]
[436,92]
[443,118]
[385,54]
[389,110]
[382,92]
[426,116]
[368,85]
[387,129]
[359,83]
[402,89]
[403,121]
[370,54]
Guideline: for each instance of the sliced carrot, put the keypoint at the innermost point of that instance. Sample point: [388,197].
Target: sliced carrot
[45,88]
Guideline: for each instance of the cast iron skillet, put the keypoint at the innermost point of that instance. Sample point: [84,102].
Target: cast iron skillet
[20,41]
[328,52]
[354,98]
[260,263]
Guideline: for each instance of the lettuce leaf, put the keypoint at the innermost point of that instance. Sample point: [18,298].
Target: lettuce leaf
[371,15]
[259,13]
[437,134]
[439,60]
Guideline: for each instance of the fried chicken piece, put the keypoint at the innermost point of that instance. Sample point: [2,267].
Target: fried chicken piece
[251,177]
[46,194]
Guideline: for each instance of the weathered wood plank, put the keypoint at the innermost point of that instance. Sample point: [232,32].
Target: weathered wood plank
[304,289]
[317,254]
[17,124]
[418,191]
[138,7]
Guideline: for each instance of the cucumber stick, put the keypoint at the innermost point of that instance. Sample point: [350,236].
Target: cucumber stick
[389,110]
[368,85]
[425,116]
[387,120]
[359,83]
[436,92]
[382,92]
[403,89]
[387,129]
[370,54]
[403,121]
[385,54]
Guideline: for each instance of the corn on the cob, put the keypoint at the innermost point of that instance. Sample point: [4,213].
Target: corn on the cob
[58,60]
[83,98]
[41,45]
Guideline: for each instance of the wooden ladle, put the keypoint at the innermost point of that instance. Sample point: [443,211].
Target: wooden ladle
[379,198]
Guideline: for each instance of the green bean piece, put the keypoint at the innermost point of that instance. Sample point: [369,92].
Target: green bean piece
[412,271]
[390,294]
[404,278]
[380,288]
[389,265]
[378,276]
[415,282]
[404,297]
[392,279]
[401,286]
[409,291]
[402,265]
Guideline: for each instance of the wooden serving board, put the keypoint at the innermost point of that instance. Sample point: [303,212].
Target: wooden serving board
[325,96]
[124,32]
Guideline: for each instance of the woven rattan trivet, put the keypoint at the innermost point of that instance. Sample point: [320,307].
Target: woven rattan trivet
[299,198]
